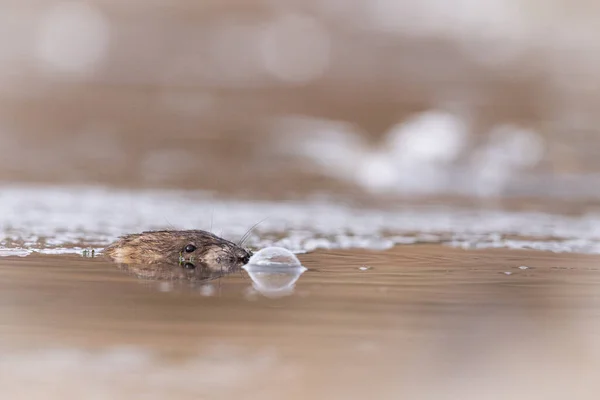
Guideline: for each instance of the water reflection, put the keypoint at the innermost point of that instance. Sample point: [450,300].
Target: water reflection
[172,272]
[423,313]
[274,272]
[274,282]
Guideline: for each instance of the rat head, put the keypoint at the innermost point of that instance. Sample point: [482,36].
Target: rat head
[190,249]
[213,252]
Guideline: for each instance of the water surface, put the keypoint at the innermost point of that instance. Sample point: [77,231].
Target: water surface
[424,321]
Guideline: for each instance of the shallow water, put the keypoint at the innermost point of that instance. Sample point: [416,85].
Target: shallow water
[399,300]
[425,321]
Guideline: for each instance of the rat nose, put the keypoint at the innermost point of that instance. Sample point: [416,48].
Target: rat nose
[244,258]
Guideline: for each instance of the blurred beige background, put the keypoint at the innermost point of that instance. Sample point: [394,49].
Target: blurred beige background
[469,97]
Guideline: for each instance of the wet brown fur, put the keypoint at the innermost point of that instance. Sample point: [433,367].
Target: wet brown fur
[167,248]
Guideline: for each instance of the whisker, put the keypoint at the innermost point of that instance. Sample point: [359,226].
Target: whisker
[168,223]
[247,234]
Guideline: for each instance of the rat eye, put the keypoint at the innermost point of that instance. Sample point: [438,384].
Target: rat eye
[189,248]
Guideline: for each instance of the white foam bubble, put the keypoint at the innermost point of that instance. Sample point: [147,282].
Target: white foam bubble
[62,220]
[509,149]
[274,257]
[433,136]
[17,252]
[377,172]
[516,146]
[414,157]
[274,271]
